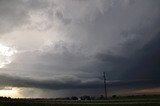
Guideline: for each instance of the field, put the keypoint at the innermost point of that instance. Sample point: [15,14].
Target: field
[110,102]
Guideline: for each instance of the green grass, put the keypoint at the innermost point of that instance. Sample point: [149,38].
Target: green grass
[75,104]
[113,102]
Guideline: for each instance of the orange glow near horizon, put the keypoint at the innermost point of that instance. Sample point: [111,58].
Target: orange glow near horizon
[147,91]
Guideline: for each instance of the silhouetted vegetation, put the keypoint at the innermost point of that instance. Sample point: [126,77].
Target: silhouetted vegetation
[133,100]
[114,96]
[74,98]
[85,97]
[5,98]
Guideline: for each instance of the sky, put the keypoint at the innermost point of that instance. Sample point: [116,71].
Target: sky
[60,48]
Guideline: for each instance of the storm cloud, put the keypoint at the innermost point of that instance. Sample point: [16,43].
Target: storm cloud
[67,44]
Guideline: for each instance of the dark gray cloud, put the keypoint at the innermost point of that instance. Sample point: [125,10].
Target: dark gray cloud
[49,83]
[145,62]
[142,64]
[70,84]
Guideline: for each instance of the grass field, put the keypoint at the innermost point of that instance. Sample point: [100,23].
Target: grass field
[112,102]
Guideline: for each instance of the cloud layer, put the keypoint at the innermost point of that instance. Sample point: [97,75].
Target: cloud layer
[67,44]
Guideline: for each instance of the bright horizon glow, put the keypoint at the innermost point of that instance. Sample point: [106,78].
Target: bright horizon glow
[5,55]
[9,92]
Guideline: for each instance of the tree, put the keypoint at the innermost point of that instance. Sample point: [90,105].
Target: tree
[74,98]
[114,96]
[101,97]
[85,97]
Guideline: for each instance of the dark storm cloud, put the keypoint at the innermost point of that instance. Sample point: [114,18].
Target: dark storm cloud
[47,84]
[111,58]
[146,61]
[137,70]
[64,84]
[83,39]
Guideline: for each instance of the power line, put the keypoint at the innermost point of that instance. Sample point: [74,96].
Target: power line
[105,84]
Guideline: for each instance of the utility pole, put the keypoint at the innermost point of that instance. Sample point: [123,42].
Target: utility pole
[105,84]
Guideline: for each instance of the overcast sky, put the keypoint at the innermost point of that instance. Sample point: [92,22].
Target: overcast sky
[58,48]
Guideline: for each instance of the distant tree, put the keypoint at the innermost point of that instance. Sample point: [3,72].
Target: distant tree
[85,97]
[82,98]
[67,98]
[114,96]
[5,98]
[93,97]
[74,98]
[101,97]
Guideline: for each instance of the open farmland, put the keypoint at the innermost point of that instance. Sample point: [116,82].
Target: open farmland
[109,102]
